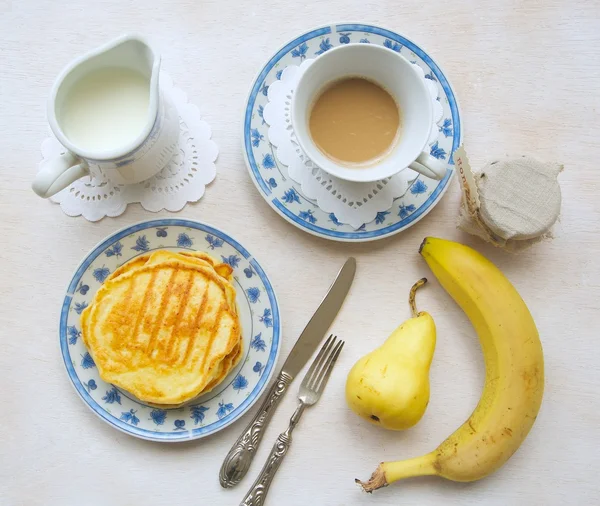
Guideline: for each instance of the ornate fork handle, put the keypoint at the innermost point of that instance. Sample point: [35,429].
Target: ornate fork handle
[238,460]
[258,492]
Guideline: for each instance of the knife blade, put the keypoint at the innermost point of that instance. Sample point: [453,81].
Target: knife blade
[321,320]
[238,460]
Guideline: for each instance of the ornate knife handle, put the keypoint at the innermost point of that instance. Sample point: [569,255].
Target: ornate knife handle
[258,492]
[238,460]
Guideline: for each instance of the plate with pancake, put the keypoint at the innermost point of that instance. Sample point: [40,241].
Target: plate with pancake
[170,330]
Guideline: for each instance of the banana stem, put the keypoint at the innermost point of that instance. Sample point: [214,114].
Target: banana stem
[389,472]
[411,297]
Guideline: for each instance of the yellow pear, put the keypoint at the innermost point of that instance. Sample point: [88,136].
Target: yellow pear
[390,386]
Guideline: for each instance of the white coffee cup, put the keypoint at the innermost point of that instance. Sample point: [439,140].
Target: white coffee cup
[397,76]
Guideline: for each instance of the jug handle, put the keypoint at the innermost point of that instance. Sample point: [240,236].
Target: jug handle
[58,173]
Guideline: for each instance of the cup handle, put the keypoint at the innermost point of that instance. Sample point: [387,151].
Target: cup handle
[429,166]
[58,173]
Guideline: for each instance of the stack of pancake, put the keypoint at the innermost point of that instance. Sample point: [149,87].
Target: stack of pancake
[164,326]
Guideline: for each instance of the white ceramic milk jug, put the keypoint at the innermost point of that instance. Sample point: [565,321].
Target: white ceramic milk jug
[107,110]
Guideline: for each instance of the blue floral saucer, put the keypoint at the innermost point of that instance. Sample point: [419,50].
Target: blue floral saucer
[271,177]
[259,316]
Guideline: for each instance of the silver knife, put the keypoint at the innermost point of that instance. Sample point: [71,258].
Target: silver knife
[238,460]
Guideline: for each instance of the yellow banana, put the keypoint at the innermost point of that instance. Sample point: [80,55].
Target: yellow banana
[514,382]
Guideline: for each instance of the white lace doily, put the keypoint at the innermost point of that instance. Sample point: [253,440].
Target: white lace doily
[352,203]
[183,180]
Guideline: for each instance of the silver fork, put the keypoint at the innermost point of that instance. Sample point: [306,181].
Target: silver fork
[311,389]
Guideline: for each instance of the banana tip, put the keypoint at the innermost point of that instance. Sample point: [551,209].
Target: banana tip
[422,245]
[377,480]
[362,485]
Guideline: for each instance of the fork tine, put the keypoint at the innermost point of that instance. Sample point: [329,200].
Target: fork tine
[314,381]
[319,361]
[324,376]
[318,358]
[318,376]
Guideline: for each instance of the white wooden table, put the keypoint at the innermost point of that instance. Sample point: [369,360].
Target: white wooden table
[527,74]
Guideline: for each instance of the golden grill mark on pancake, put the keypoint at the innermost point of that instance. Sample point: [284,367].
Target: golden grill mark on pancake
[197,321]
[120,313]
[160,315]
[213,333]
[170,343]
[140,314]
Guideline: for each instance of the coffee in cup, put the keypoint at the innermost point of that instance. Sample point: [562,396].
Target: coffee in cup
[355,121]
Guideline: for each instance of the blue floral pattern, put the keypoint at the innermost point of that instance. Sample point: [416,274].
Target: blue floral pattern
[197,413]
[258,368]
[184,241]
[308,215]
[300,51]
[345,38]
[224,408]
[101,273]
[231,260]
[112,396]
[256,137]
[141,244]
[437,152]
[230,399]
[430,76]
[261,111]
[82,289]
[87,362]
[418,187]
[334,220]
[213,242]
[269,161]
[325,45]
[405,210]
[74,333]
[291,196]
[305,214]
[446,127]
[394,46]
[115,250]
[266,318]
[129,417]
[380,218]
[158,416]
[253,294]
[240,383]
[258,343]
[80,306]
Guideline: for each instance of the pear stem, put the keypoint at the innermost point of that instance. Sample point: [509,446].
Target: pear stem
[411,297]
